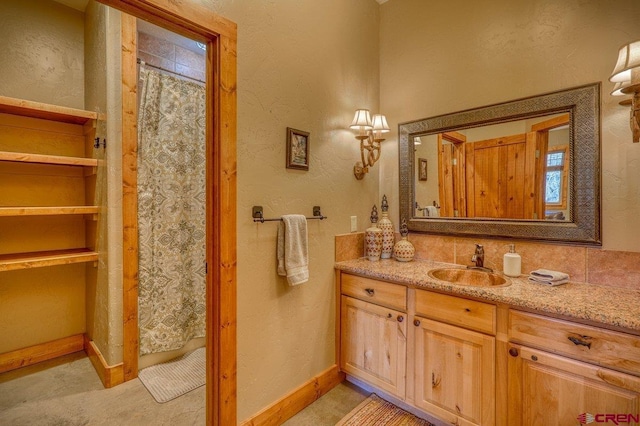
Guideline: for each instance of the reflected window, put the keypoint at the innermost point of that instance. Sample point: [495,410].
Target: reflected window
[556,177]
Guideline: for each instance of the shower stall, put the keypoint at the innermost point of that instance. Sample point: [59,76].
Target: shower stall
[171,188]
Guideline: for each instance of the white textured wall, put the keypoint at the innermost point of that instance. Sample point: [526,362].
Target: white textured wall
[42,52]
[444,56]
[307,65]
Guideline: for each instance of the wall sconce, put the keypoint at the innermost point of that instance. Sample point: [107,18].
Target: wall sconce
[370,132]
[626,75]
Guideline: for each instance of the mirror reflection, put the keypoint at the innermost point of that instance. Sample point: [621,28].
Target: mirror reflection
[511,170]
[527,168]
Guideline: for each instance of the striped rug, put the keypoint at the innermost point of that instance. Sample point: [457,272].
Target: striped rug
[376,411]
[172,379]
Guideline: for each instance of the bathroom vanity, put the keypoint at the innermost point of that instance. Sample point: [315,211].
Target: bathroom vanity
[511,354]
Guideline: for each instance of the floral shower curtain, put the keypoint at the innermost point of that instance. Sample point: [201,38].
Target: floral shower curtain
[171,211]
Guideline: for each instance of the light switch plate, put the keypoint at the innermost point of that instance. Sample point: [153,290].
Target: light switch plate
[354,223]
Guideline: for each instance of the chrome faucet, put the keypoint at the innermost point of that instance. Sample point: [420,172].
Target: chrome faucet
[478,256]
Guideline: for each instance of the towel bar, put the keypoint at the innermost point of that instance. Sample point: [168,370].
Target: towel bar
[257,214]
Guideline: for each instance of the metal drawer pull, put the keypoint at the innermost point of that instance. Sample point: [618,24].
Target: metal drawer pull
[416,322]
[400,318]
[370,291]
[579,342]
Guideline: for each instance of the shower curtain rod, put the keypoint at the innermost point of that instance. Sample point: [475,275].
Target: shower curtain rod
[140,61]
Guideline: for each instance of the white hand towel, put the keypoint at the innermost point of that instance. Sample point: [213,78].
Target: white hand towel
[548,277]
[432,211]
[292,249]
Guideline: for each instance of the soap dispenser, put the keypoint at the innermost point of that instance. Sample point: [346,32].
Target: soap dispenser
[512,262]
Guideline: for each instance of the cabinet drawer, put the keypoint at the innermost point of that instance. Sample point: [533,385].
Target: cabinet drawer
[454,310]
[612,349]
[374,291]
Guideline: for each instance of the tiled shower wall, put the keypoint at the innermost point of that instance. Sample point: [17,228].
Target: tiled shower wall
[164,54]
[583,264]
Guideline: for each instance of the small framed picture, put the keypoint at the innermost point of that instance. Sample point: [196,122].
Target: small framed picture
[297,149]
[422,169]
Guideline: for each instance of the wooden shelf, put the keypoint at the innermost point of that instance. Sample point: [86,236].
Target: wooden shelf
[45,111]
[12,262]
[24,157]
[47,211]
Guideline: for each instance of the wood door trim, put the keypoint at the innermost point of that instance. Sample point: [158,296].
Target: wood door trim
[220,34]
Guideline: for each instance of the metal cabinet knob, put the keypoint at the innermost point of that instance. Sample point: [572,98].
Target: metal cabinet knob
[400,318]
[513,352]
[370,291]
[416,322]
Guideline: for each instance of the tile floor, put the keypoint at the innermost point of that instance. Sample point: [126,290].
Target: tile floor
[68,392]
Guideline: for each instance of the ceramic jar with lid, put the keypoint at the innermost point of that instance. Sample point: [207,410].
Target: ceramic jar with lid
[388,237]
[373,238]
[403,251]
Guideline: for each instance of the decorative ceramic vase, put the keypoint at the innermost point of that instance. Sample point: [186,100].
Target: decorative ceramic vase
[388,237]
[373,238]
[404,251]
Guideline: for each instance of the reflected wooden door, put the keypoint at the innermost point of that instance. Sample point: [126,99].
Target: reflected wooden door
[451,173]
[502,177]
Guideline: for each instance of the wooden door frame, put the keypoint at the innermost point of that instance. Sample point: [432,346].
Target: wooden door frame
[220,35]
[457,176]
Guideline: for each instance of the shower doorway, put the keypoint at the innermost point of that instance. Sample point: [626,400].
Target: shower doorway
[220,37]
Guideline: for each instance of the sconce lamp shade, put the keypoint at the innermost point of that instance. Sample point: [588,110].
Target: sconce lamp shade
[362,120]
[619,87]
[417,141]
[628,58]
[380,123]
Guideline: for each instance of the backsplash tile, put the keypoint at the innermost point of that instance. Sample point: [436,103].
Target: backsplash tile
[349,246]
[591,265]
[568,259]
[613,268]
[433,247]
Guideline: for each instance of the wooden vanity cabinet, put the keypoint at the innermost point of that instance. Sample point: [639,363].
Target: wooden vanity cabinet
[454,367]
[571,372]
[373,330]
[373,344]
[469,362]
[449,368]
[553,390]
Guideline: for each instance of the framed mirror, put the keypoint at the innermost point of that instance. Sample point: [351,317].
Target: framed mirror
[527,169]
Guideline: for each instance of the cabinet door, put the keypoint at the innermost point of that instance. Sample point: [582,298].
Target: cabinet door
[373,344]
[454,373]
[546,389]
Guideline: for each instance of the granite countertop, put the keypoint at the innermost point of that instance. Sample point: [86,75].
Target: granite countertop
[610,306]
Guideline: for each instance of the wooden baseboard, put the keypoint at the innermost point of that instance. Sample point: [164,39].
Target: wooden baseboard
[285,408]
[110,375]
[42,352]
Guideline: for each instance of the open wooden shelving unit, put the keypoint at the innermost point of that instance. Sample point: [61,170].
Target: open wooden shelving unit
[47,185]
[23,157]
